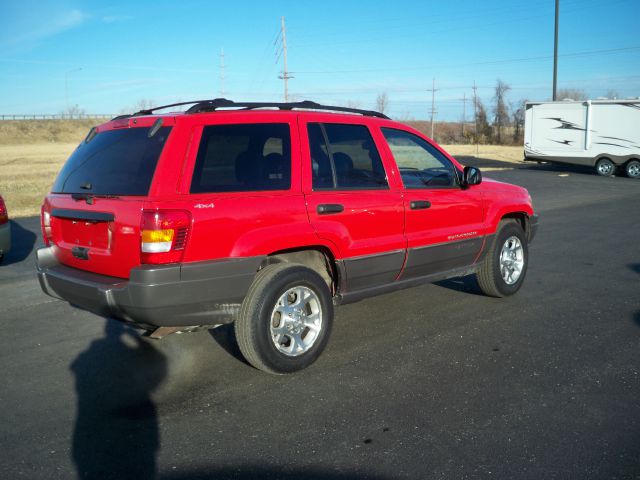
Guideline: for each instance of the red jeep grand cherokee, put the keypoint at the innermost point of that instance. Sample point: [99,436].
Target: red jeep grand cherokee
[268,215]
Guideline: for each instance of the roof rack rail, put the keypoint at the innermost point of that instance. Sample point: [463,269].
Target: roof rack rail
[218,103]
[149,111]
[201,106]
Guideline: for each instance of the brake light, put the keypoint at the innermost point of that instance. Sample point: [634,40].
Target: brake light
[4,215]
[163,235]
[45,223]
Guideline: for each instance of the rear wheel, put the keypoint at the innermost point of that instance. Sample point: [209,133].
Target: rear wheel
[632,169]
[285,319]
[504,267]
[605,167]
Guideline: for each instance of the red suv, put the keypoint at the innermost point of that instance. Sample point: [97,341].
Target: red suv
[268,215]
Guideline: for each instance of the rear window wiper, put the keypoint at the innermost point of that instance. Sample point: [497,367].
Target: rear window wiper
[89,197]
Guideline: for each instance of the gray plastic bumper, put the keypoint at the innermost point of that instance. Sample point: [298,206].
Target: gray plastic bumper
[202,293]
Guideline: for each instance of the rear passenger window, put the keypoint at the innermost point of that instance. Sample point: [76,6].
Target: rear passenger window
[243,158]
[344,157]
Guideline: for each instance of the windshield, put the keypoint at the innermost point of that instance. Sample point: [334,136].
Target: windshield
[115,162]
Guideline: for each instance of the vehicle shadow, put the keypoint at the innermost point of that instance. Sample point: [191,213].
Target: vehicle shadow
[22,243]
[116,430]
[225,336]
[466,284]
[244,472]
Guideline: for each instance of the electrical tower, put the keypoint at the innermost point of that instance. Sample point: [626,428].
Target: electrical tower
[285,75]
[475,112]
[222,72]
[433,91]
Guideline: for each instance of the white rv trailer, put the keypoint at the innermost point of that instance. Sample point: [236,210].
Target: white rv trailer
[600,133]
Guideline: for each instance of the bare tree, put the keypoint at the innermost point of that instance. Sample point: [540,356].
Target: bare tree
[517,116]
[73,111]
[144,104]
[483,130]
[501,109]
[382,102]
[612,94]
[572,93]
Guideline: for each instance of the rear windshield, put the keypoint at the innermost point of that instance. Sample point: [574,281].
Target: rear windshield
[115,162]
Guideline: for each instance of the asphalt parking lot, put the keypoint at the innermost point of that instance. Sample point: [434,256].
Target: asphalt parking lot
[436,381]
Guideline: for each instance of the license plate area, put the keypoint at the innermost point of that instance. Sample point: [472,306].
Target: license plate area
[83,233]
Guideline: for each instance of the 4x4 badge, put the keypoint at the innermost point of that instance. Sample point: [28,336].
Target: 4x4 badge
[204,205]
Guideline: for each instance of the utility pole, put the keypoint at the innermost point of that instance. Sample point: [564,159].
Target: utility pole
[475,111]
[464,110]
[433,91]
[555,53]
[285,73]
[222,72]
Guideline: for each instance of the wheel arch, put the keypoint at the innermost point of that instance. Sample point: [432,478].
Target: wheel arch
[318,258]
[522,218]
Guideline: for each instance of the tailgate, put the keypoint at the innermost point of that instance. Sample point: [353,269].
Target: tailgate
[102,237]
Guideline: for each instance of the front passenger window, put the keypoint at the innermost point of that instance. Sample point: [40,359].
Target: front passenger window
[421,165]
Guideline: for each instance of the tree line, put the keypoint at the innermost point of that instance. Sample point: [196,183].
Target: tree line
[499,123]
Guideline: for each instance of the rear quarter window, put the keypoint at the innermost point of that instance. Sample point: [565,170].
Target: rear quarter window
[243,158]
[115,162]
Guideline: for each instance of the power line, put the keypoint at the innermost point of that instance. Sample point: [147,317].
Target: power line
[585,53]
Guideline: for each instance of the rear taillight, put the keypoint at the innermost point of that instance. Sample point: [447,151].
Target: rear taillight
[163,235]
[4,215]
[45,223]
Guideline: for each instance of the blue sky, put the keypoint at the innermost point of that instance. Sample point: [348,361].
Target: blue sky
[107,56]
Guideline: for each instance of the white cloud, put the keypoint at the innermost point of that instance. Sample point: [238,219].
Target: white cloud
[27,30]
[116,18]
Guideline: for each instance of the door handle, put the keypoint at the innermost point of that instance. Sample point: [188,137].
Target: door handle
[420,204]
[328,208]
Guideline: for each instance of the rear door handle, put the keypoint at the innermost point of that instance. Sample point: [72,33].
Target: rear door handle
[329,208]
[420,204]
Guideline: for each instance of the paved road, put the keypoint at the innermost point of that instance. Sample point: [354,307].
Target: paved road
[432,382]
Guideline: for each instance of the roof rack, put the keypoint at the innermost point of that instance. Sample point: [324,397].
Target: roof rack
[201,106]
[222,103]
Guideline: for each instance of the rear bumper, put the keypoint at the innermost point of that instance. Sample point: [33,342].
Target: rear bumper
[202,293]
[5,238]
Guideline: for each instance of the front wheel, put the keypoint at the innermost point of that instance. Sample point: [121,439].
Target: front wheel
[504,267]
[285,319]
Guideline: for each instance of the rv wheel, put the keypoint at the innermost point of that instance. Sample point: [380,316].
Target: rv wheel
[605,167]
[632,169]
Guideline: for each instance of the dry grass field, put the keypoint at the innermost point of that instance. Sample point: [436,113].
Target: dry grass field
[28,171]
[501,153]
[32,153]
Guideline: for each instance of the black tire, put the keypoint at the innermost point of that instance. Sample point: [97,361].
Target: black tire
[605,167]
[489,275]
[632,169]
[261,313]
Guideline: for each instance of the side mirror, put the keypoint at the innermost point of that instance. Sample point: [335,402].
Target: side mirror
[471,176]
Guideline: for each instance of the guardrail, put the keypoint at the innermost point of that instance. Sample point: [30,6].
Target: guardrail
[59,116]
